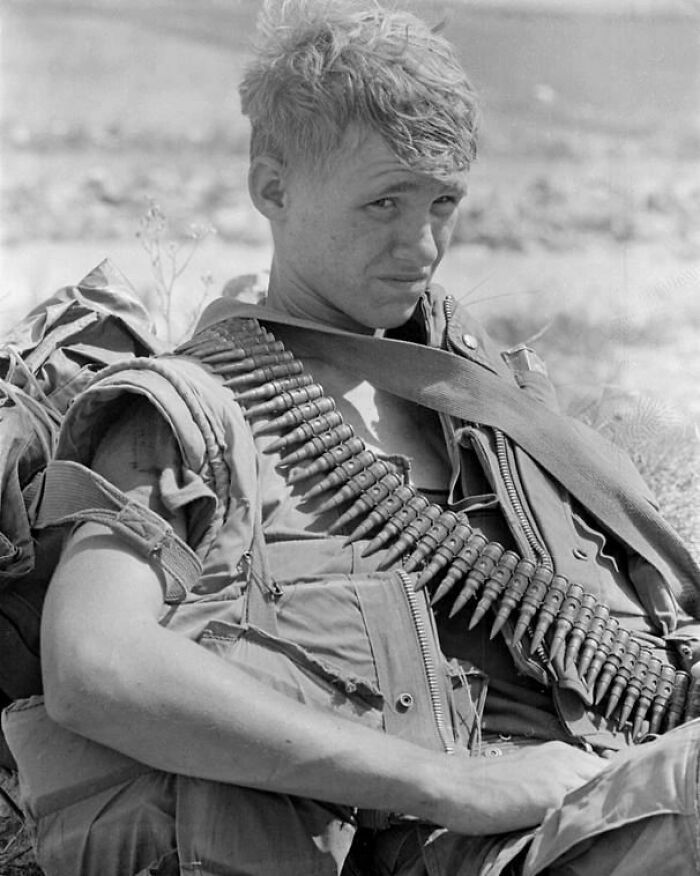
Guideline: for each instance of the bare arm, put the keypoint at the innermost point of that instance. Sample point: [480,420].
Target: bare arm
[115,675]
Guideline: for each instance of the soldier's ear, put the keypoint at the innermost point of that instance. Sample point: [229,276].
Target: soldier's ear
[267,186]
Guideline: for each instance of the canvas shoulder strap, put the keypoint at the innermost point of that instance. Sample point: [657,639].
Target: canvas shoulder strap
[587,467]
[73,494]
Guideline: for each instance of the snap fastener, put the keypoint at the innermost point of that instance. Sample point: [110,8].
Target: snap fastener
[470,342]
[580,554]
[492,752]
[404,702]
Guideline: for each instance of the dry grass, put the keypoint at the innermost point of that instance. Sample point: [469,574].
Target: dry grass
[16,856]
[665,450]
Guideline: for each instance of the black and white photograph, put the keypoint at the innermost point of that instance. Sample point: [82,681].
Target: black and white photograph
[350,438]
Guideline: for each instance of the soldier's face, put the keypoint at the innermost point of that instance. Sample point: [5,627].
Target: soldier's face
[359,241]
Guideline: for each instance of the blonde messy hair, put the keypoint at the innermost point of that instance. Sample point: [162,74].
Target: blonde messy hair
[323,65]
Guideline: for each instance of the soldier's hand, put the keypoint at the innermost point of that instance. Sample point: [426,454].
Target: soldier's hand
[494,795]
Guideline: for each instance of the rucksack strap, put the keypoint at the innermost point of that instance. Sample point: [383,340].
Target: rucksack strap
[70,493]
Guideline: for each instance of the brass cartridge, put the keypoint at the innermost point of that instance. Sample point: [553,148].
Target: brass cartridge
[532,600]
[495,585]
[326,449]
[368,499]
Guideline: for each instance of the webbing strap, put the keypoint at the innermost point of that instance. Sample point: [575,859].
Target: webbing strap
[72,493]
[445,382]
[458,387]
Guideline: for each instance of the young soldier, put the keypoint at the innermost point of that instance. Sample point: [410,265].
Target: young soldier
[245,719]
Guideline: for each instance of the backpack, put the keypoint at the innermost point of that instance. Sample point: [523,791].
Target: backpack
[45,361]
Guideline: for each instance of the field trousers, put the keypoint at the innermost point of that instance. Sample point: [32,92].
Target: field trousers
[640,817]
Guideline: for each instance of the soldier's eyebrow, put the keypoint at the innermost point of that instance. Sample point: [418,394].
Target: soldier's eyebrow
[402,186]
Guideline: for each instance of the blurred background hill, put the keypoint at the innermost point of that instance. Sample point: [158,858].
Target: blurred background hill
[583,221]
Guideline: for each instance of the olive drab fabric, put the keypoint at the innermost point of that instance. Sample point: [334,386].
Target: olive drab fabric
[662,574]
[281,596]
[589,467]
[45,361]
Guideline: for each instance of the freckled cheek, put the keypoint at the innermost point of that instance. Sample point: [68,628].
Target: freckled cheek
[357,245]
[337,233]
[375,243]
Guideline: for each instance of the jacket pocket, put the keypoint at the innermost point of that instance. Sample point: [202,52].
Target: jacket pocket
[58,767]
[295,672]
[364,645]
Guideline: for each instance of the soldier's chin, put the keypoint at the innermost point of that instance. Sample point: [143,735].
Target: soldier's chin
[397,318]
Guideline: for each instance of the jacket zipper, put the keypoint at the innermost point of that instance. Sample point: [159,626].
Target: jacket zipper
[516,502]
[537,547]
[536,544]
[436,704]
[449,308]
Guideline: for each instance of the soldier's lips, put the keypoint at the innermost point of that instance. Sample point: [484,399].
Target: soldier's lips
[414,277]
[406,281]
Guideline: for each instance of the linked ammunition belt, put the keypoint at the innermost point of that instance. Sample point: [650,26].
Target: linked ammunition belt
[562,625]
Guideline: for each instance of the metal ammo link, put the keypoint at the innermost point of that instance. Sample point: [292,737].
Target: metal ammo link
[626,681]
